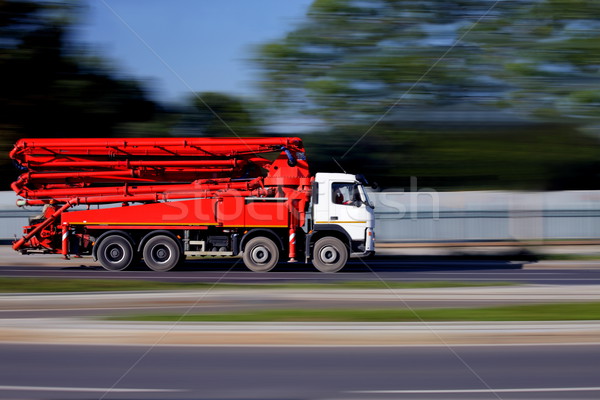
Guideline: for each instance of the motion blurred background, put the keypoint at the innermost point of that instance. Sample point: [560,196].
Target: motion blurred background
[461,94]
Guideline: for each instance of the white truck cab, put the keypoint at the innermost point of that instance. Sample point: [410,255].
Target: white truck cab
[340,205]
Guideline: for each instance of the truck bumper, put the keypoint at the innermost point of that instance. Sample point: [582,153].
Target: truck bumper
[363,254]
[366,247]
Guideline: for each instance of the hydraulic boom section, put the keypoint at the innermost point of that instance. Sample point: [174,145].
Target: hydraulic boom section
[118,170]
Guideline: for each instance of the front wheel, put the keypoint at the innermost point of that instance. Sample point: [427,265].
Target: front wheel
[330,255]
[161,253]
[261,254]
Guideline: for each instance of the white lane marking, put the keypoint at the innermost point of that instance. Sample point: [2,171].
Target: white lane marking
[467,391]
[84,389]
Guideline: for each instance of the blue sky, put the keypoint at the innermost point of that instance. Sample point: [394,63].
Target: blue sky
[180,46]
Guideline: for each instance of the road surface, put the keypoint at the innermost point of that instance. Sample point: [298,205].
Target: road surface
[389,268]
[53,345]
[47,372]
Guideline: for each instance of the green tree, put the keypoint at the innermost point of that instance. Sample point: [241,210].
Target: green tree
[51,88]
[352,60]
[547,54]
[217,114]
[464,93]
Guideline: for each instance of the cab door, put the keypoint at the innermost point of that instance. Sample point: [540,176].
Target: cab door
[347,208]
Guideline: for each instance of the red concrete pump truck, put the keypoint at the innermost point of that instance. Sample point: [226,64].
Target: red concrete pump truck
[162,200]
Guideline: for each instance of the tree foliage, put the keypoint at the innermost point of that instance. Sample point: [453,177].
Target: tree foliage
[219,114]
[352,60]
[455,86]
[49,88]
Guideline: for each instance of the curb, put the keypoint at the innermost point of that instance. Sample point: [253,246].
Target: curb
[74,331]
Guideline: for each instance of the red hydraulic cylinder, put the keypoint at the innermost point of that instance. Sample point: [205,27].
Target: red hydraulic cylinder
[51,163]
[111,175]
[130,193]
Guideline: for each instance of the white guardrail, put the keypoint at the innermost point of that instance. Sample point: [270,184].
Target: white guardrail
[424,216]
[486,216]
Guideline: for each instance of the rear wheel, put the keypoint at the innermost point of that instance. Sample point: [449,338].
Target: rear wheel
[161,253]
[115,253]
[330,255]
[261,254]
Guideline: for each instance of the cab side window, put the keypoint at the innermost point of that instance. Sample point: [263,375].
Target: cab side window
[344,193]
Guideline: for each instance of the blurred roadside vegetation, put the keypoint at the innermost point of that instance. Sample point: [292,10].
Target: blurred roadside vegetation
[462,94]
[54,285]
[530,312]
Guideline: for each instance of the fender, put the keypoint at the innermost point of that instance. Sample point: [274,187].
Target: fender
[124,234]
[332,227]
[318,231]
[257,232]
[321,228]
[151,234]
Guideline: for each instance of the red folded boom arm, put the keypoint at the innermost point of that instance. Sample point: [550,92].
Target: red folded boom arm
[117,170]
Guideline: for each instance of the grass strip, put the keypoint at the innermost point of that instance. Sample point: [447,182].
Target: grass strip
[54,285]
[538,312]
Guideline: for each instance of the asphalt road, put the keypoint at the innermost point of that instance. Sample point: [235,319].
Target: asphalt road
[222,272]
[389,268]
[297,373]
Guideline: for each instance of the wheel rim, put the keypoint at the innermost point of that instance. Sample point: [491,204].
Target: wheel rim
[329,254]
[114,253]
[161,253]
[260,254]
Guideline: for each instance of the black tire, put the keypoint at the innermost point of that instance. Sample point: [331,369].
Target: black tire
[329,255]
[261,254]
[161,253]
[115,253]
